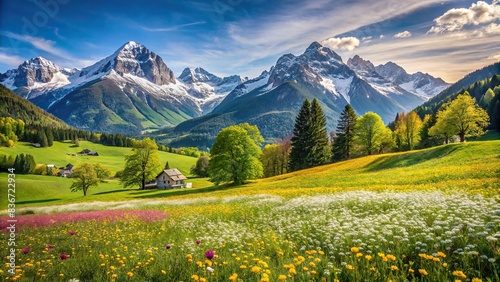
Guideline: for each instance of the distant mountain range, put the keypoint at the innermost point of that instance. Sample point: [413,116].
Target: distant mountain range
[133,90]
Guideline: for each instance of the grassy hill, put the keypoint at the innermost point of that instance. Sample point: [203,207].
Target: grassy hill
[473,166]
[62,153]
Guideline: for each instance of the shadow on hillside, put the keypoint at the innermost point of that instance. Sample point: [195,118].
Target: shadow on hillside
[37,201]
[110,192]
[180,192]
[411,158]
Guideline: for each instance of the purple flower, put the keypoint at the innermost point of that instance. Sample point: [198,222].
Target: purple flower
[63,256]
[209,254]
[198,241]
[72,232]
[48,246]
[26,250]
[168,246]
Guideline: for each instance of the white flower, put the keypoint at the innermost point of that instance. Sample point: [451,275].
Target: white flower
[210,269]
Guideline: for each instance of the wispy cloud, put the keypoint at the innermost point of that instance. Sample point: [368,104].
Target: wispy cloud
[12,61]
[344,43]
[49,46]
[477,14]
[403,34]
[173,28]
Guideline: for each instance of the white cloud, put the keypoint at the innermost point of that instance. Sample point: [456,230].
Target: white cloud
[11,60]
[477,14]
[403,34]
[172,28]
[382,36]
[494,57]
[344,43]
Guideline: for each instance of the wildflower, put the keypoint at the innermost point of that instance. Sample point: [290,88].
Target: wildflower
[368,257]
[63,256]
[372,269]
[26,250]
[168,246]
[72,232]
[233,277]
[61,275]
[476,280]
[130,274]
[422,271]
[313,272]
[203,279]
[114,276]
[441,254]
[195,277]
[208,262]
[282,277]
[256,269]
[411,270]
[198,242]
[199,264]
[358,255]
[391,257]
[48,246]
[210,269]
[445,264]
[459,273]
[264,279]
[349,267]
[209,254]
[243,266]
[354,249]
[163,272]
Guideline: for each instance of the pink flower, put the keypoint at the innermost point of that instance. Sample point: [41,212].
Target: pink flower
[72,232]
[209,254]
[63,256]
[198,241]
[26,250]
[168,246]
[48,246]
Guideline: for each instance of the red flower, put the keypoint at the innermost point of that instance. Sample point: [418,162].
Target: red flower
[198,241]
[63,256]
[26,250]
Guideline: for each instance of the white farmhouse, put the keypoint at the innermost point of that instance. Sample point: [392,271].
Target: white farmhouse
[170,178]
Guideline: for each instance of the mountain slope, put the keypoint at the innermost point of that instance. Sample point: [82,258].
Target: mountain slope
[11,105]
[272,100]
[433,105]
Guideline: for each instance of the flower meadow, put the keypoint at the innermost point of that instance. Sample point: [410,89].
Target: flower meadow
[342,236]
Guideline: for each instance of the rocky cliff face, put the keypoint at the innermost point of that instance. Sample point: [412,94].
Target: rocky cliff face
[35,70]
[137,60]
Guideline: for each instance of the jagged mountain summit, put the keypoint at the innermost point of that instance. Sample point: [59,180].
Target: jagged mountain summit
[130,91]
[272,100]
[133,90]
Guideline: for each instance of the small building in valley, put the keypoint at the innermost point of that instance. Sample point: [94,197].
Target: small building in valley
[170,178]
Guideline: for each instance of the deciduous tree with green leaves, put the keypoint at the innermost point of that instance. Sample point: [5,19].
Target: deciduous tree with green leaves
[84,177]
[142,165]
[462,117]
[235,155]
[408,128]
[372,135]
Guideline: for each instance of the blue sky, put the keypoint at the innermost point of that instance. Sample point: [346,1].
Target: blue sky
[443,38]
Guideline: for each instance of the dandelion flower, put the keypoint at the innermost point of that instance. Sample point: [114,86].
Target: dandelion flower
[422,271]
[233,277]
[459,273]
[354,249]
[282,277]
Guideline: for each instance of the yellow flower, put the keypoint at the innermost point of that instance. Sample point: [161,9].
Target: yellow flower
[476,280]
[256,269]
[312,265]
[283,278]
[445,264]
[313,272]
[114,276]
[163,272]
[208,262]
[368,257]
[243,266]
[264,279]
[130,274]
[199,264]
[233,277]
[358,255]
[203,279]
[61,275]
[349,267]
[354,249]
[411,270]
[394,268]
[292,271]
[436,260]
[391,257]
[422,271]
[195,277]
[372,269]
[459,273]
[441,254]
